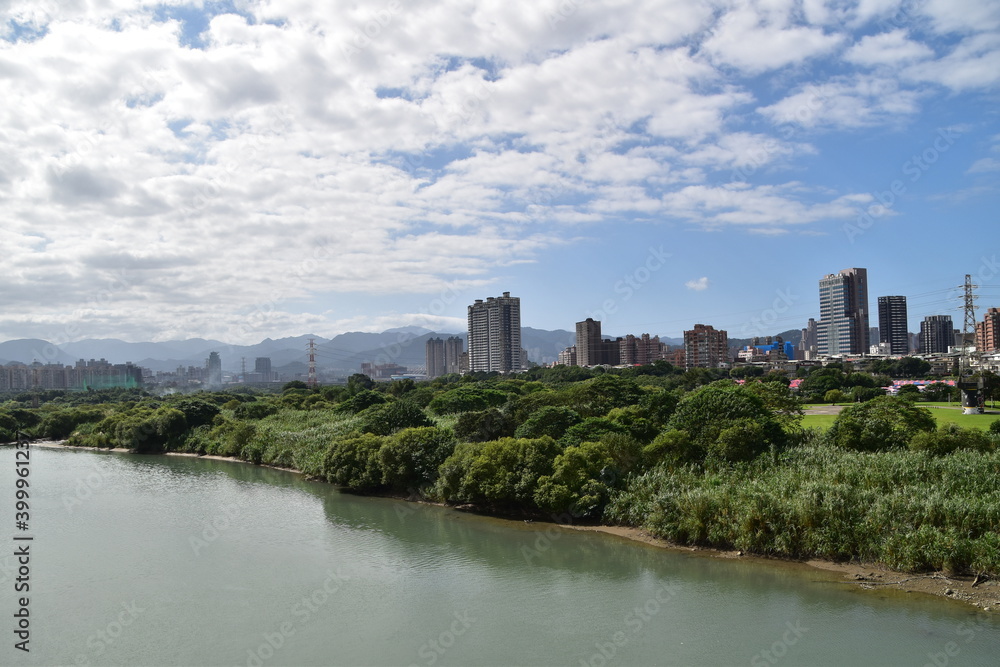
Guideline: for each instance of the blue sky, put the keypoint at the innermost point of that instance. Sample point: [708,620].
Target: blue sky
[252,169]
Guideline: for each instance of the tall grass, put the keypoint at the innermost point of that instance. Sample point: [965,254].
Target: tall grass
[903,509]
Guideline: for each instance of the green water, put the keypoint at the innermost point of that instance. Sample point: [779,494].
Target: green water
[127,568]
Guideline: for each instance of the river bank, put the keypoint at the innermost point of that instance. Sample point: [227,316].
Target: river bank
[983,594]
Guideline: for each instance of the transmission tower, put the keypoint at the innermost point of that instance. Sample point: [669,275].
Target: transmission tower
[969,329]
[243,370]
[312,364]
[972,390]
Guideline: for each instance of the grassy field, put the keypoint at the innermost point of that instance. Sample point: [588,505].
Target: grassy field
[942,416]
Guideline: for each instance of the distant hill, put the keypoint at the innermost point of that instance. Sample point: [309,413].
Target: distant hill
[343,354]
[28,350]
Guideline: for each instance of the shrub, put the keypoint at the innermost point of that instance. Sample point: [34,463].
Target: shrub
[949,438]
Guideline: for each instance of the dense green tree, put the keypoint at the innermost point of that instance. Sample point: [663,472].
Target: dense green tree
[58,425]
[501,473]
[358,383]
[409,460]
[197,412]
[352,461]
[862,394]
[741,440]
[294,384]
[777,378]
[398,388]
[859,380]
[658,405]
[580,483]
[741,372]
[673,447]
[466,398]
[596,397]
[705,413]
[550,420]
[834,396]
[777,397]
[591,429]
[361,400]
[886,422]
[636,425]
[254,411]
[910,367]
[484,425]
[940,391]
[8,427]
[821,380]
[387,418]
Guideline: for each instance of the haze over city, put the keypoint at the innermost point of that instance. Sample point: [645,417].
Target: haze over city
[237,171]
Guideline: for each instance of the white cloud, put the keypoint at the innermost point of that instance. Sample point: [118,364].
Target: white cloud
[860,101]
[973,64]
[156,182]
[745,39]
[888,48]
[985,165]
[697,285]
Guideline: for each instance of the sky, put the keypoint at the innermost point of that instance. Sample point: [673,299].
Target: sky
[264,168]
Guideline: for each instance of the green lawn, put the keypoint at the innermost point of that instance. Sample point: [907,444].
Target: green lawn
[818,421]
[942,416]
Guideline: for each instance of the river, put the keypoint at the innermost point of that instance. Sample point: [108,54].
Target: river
[140,560]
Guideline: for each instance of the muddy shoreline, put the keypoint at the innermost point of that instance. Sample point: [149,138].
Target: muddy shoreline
[983,594]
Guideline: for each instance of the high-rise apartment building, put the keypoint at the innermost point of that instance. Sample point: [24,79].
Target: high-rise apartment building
[892,326]
[808,343]
[588,342]
[495,334]
[454,348]
[443,356]
[214,367]
[988,331]
[434,357]
[705,347]
[937,334]
[641,350]
[843,309]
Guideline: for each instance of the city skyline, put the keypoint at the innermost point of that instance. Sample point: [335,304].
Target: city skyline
[252,170]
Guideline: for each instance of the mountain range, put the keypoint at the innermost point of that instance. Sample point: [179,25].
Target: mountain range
[343,353]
